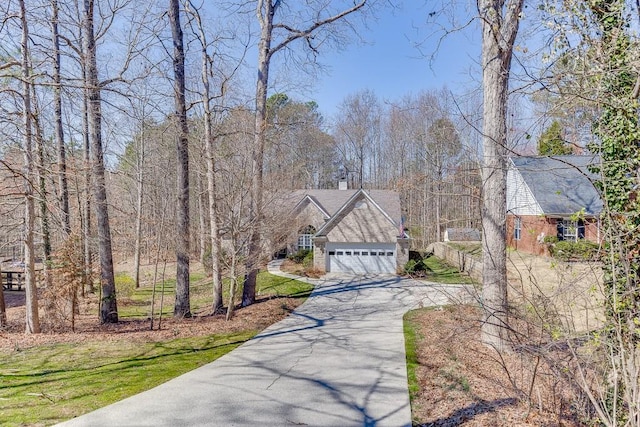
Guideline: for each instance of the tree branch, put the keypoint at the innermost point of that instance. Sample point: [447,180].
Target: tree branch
[297,34]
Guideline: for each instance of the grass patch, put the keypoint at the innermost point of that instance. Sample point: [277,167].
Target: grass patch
[437,270]
[49,384]
[271,285]
[135,303]
[410,347]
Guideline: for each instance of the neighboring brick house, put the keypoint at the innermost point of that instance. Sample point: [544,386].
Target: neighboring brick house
[544,194]
[351,231]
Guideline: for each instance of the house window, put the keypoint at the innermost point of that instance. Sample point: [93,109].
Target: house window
[517,229]
[305,238]
[570,230]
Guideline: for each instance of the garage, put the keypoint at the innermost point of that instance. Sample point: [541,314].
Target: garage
[361,258]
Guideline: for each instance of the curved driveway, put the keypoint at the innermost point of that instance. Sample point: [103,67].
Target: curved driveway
[338,360]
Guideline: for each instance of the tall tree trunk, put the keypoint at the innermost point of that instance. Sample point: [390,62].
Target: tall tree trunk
[203,227]
[214,228]
[3,306]
[257,160]
[31,291]
[265,12]
[139,202]
[182,304]
[59,133]
[108,305]
[85,203]
[42,189]
[214,231]
[438,197]
[499,29]
[216,250]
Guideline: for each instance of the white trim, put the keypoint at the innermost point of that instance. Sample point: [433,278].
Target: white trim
[520,198]
[307,197]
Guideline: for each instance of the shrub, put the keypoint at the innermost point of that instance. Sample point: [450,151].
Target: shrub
[125,285]
[307,261]
[299,256]
[586,249]
[582,250]
[415,268]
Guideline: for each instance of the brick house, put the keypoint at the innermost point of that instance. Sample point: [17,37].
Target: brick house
[350,231]
[551,196]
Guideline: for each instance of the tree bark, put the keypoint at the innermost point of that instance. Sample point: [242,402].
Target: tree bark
[86,206]
[265,16]
[214,228]
[42,188]
[182,304]
[139,204]
[59,132]
[3,306]
[203,229]
[499,29]
[108,305]
[31,291]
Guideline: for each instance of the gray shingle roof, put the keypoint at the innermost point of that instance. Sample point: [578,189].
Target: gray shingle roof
[562,185]
[463,235]
[332,200]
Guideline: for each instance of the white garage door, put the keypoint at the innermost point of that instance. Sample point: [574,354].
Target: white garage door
[360,258]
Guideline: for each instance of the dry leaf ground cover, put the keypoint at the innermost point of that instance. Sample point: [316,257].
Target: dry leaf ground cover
[460,382]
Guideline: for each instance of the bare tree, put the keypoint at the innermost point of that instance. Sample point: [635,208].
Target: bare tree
[444,146]
[32,318]
[108,305]
[59,130]
[209,143]
[500,20]
[358,129]
[3,306]
[285,33]
[182,304]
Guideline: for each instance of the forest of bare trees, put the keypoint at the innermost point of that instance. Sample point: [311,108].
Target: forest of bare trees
[150,131]
[113,97]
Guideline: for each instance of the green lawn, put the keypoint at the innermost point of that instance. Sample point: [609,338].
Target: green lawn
[48,384]
[136,303]
[410,346]
[439,271]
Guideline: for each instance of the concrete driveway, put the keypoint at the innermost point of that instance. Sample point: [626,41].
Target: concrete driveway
[338,360]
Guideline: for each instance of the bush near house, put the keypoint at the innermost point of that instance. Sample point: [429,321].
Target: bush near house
[416,268]
[432,268]
[303,256]
[564,250]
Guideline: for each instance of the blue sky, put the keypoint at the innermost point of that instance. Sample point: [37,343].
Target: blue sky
[392,66]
